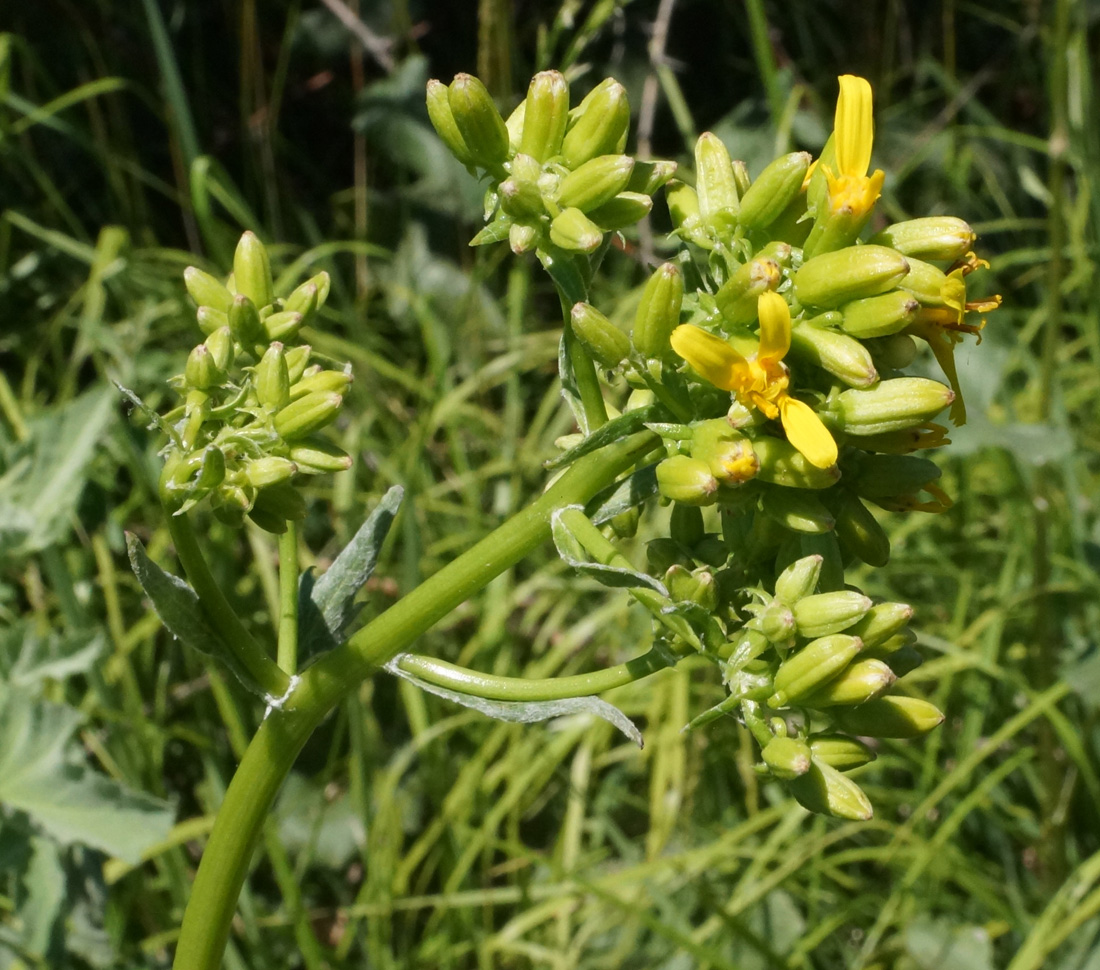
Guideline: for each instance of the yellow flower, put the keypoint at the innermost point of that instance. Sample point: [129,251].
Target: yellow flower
[850,187]
[760,381]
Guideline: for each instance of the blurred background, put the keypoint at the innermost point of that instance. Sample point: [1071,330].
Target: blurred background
[140,136]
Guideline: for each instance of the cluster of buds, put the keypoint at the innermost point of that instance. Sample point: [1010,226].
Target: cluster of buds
[770,357]
[254,399]
[558,177]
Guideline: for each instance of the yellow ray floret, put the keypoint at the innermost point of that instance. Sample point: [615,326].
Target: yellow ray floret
[760,381]
[850,187]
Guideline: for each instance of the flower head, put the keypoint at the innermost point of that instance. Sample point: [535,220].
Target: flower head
[760,381]
[850,187]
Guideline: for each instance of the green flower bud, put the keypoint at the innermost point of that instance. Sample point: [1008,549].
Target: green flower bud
[774,189]
[283,325]
[834,228]
[302,301]
[439,113]
[648,177]
[316,456]
[597,125]
[521,199]
[605,342]
[715,181]
[686,480]
[895,352]
[683,207]
[545,115]
[624,210]
[797,511]
[782,464]
[330,381]
[933,237]
[522,238]
[514,124]
[625,524]
[574,232]
[879,316]
[798,579]
[308,414]
[272,379]
[902,640]
[658,311]
[833,279]
[712,550]
[903,660]
[841,356]
[595,182]
[881,622]
[737,298]
[824,613]
[201,372]
[840,751]
[210,319]
[244,321]
[778,251]
[863,680]
[859,531]
[685,525]
[893,716]
[478,121]
[297,359]
[664,552]
[893,405]
[220,345]
[282,500]
[729,454]
[252,271]
[832,566]
[786,758]
[931,285]
[205,290]
[262,472]
[812,667]
[692,586]
[826,791]
[776,622]
[268,521]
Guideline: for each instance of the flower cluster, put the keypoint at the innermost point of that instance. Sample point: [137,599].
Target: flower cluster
[254,398]
[769,357]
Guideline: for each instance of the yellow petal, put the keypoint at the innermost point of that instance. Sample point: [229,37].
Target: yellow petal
[806,432]
[775,326]
[711,356]
[853,127]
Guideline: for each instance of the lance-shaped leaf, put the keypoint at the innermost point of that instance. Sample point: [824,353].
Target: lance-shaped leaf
[571,548]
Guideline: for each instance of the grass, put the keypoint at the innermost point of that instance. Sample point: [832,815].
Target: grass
[136,138]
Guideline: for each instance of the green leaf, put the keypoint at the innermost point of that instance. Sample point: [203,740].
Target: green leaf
[178,607]
[327,607]
[942,945]
[617,577]
[623,496]
[615,429]
[27,658]
[42,774]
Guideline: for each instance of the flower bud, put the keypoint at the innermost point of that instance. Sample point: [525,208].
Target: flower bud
[252,271]
[316,456]
[282,500]
[885,650]
[826,791]
[773,190]
[220,345]
[262,472]
[798,579]
[297,359]
[595,182]
[880,477]
[205,290]
[605,342]
[715,181]
[283,325]
[308,414]
[738,297]
[330,381]
[478,121]
[625,524]
[692,586]
[835,353]
[836,278]
[893,405]
[514,124]
[201,372]
[624,210]
[574,232]
[522,238]
[776,622]
[840,751]
[210,319]
[797,510]
[933,287]
[244,321]
[786,758]
[686,480]
[812,667]
[933,237]
[862,681]
[648,177]
[895,352]
[683,207]
[893,716]
[879,316]
[824,613]
[598,124]
[903,660]
[858,531]
[302,301]
[272,379]
[545,115]
[658,311]
[782,464]
[880,623]
[439,113]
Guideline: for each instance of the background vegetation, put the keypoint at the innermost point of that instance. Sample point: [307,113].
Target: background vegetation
[137,136]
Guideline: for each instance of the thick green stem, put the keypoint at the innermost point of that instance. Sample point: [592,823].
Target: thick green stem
[276,745]
[249,653]
[288,599]
[492,687]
